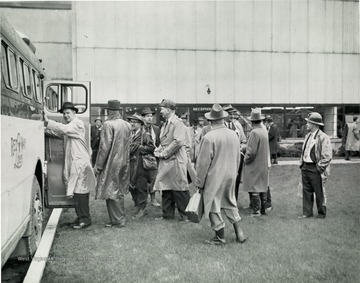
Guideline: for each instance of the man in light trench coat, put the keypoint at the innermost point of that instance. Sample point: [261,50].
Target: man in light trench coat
[112,165]
[216,170]
[171,179]
[78,174]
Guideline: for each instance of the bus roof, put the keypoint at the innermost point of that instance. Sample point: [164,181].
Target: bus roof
[16,41]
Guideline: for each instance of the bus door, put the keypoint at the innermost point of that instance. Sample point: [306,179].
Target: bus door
[55,94]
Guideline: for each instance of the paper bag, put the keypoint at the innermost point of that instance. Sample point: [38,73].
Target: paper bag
[195,207]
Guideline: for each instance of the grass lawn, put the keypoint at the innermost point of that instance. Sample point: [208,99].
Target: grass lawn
[280,247]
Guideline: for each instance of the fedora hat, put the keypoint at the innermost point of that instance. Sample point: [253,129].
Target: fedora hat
[256,115]
[315,118]
[68,105]
[147,110]
[228,108]
[168,104]
[201,119]
[113,105]
[269,119]
[98,118]
[216,113]
[137,117]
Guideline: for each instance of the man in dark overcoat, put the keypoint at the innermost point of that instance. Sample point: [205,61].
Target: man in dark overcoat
[273,139]
[112,165]
[141,144]
[154,132]
[95,139]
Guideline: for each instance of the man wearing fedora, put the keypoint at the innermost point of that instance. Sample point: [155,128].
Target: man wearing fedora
[95,139]
[216,169]
[171,179]
[273,138]
[154,131]
[141,144]
[112,165]
[232,123]
[256,165]
[78,175]
[315,166]
[197,133]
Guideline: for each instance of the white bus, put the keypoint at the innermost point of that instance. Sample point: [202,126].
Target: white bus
[31,163]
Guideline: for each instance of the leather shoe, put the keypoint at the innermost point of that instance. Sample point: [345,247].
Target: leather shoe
[216,241]
[155,203]
[141,213]
[81,225]
[304,216]
[118,225]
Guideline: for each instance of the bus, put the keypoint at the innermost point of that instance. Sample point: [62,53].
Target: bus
[31,163]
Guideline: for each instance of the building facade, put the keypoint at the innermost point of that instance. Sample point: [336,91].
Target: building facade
[288,57]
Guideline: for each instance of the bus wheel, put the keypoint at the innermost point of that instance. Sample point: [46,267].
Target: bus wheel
[36,218]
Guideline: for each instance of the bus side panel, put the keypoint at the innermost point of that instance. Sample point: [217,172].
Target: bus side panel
[20,151]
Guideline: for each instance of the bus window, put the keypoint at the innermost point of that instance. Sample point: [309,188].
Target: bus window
[37,92]
[21,77]
[27,81]
[32,83]
[4,65]
[13,70]
[51,98]
[77,95]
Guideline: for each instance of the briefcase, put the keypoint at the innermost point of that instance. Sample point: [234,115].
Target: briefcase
[195,207]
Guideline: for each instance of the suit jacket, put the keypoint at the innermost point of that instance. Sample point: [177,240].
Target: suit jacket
[95,137]
[156,130]
[320,153]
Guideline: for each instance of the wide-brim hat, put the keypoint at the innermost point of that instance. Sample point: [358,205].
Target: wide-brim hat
[146,111]
[216,113]
[228,108]
[137,117]
[68,105]
[315,118]
[113,105]
[256,115]
[168,104]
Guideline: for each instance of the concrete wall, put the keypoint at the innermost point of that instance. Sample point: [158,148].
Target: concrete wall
[50,31]
[248,52]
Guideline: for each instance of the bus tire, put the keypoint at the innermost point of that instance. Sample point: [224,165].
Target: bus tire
[36,218]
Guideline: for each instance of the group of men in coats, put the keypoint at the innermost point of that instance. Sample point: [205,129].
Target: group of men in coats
[119,165]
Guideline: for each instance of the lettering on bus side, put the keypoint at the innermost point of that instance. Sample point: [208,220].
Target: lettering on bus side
[18,145]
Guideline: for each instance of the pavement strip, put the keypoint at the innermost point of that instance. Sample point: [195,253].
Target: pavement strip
[38,263]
